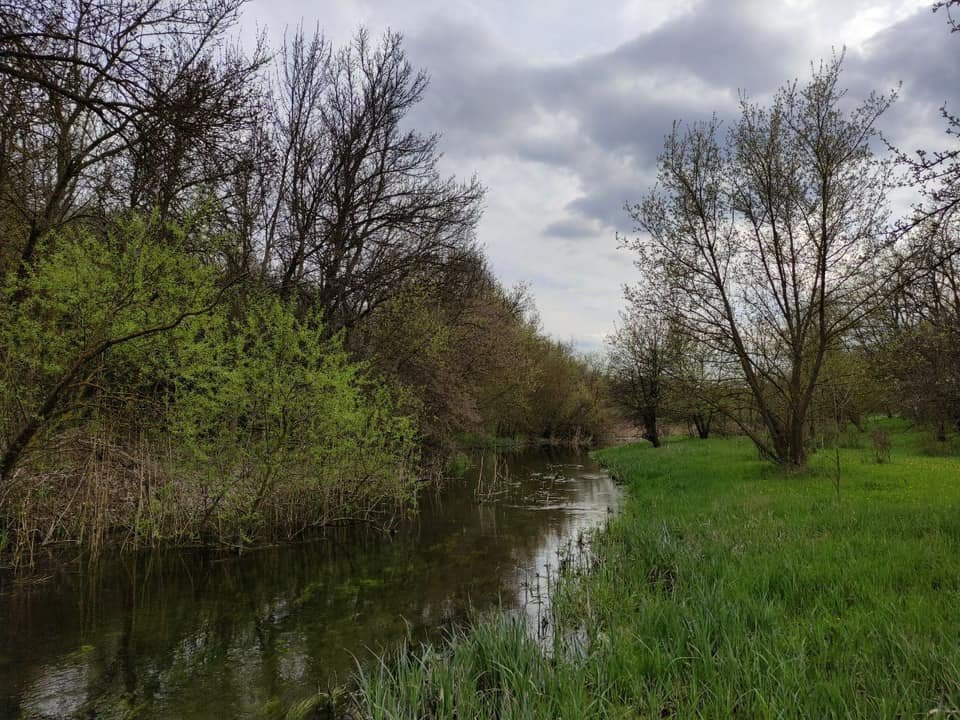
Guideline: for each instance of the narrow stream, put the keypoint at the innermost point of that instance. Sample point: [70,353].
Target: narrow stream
[202,635]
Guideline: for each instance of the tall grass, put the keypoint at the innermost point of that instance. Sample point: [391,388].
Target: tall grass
[727,589]
[493,670]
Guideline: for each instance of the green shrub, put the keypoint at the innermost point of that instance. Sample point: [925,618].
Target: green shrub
[458,464]
[880,440]
[279,427]
[182,408]
[90,290]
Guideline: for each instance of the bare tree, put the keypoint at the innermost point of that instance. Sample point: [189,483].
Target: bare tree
[105,100]
[949,6]
[360,204]
[641,354]
[916,344]
[936,173]
[696,390]
[765,246]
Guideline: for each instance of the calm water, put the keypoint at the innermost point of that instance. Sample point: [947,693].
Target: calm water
[200,635]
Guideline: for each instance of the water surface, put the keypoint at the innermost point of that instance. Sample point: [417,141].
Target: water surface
[203,635]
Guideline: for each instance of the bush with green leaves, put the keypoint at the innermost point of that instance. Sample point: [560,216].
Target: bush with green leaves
[278,427]
[141,395]
[83,324]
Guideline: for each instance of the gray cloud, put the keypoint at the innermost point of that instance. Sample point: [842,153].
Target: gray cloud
[570,229]
[564,113]
[921,54]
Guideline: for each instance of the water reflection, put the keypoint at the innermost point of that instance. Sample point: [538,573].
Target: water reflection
[196,634]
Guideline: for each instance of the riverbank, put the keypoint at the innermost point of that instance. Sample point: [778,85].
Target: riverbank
[202,633]
[142,498]
[726,589]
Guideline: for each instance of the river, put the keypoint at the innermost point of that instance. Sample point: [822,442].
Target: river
[199,634]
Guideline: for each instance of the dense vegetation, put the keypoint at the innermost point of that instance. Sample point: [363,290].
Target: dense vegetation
[724,590]
[239,300]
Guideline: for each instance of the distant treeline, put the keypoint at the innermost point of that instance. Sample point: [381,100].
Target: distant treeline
[239,300]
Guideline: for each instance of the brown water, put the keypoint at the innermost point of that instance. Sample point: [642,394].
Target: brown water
[203,635]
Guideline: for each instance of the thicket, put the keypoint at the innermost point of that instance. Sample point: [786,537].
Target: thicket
[239,300]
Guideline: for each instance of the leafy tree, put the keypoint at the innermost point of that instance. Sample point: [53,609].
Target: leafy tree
[96,295]
[474,360]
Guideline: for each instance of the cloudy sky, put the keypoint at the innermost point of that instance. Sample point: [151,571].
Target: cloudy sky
[560,107]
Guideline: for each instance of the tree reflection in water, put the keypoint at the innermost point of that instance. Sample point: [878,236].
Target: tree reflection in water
[191,634]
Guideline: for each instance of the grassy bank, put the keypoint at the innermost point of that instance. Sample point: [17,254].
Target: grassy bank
[726,589]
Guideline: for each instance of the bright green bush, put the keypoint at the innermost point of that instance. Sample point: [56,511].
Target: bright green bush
[279,427]
[68,318]
[161,404]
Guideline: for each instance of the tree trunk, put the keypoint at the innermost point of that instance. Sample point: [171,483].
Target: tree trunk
[702,424]
[650,432]
[797,450]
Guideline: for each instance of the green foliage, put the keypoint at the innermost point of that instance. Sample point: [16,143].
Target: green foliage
[458,464]
[568,400]
[272,415]
[176,414]
[494,670]
[92,289]
[477,365]
[933,447]
[158,404]
[920,365]
[880,440]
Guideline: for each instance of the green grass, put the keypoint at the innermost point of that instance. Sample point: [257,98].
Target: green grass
[494,670]
[728,589]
